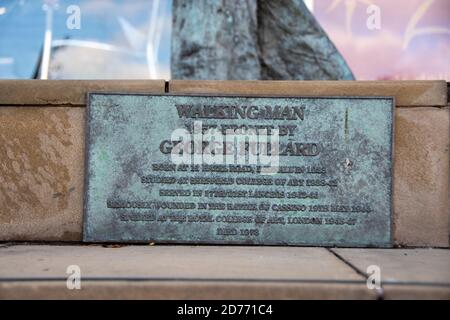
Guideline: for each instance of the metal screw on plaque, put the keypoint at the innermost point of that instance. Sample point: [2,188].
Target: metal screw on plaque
[348,164]
[74,279]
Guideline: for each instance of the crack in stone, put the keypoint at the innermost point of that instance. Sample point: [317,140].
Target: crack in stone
[379,293]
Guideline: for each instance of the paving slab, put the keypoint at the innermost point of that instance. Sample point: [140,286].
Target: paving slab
[425,266]
[175,262]
[185,290]
[415,292]
[222,272]
[405,273]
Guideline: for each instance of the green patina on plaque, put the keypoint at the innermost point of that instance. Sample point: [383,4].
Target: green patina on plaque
[330,184]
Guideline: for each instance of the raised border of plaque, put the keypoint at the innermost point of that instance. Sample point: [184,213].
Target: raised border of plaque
[332,185]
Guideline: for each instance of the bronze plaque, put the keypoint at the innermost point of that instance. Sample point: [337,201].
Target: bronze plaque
[239,170]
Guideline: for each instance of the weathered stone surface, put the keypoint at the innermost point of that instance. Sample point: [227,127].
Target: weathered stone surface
[294,46]
[67,92]
[406,93]
[421,170]
[41,173]
[42,155]
[214,40]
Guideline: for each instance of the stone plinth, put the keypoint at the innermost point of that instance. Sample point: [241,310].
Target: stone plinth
[42,136]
